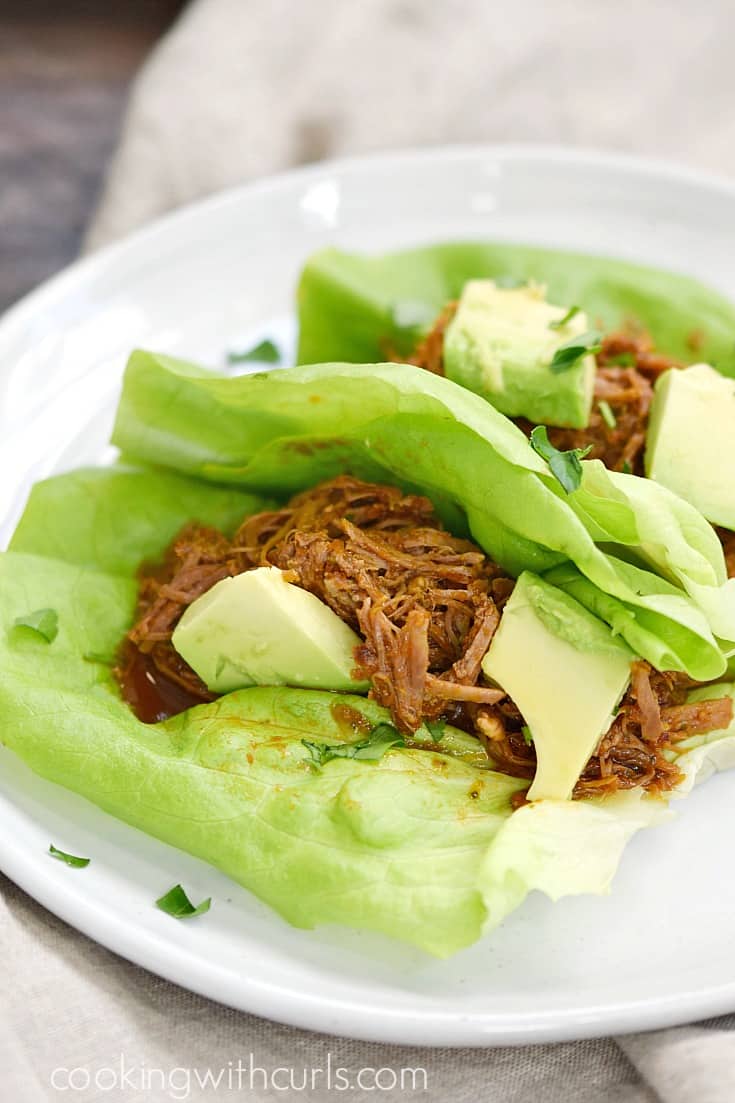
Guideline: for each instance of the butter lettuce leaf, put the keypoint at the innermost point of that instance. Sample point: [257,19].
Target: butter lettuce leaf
[422,845]
[281,431]
[668,534]
[359,308]
[78,517]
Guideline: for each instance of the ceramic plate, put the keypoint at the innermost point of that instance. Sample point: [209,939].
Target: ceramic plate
[659,950]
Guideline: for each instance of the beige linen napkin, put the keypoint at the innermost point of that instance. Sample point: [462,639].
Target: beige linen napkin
[241,88]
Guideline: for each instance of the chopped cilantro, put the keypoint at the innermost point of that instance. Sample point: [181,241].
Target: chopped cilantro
[176,903]
[44,622]
[567,355]
[436,729]
[565,466]
[381,738]
[561,322]
[70,859]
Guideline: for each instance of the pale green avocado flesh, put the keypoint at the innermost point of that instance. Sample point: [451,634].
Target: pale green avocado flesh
[259,629]
[690,445]
[565,672]
[500,345]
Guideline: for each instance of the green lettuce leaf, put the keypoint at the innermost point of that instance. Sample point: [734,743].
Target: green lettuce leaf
[668,534]
[278,432]
[421,844]
[362,308]
[77,517]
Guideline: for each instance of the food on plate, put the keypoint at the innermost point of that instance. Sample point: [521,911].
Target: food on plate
[526,356]
[352,635]
[691,440]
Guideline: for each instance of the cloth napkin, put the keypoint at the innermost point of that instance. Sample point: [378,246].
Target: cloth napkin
[241,88]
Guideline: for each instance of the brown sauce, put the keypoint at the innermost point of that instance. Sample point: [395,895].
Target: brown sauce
[151,695]
[349,720]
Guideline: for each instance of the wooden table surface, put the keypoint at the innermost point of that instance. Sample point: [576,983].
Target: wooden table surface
[64,75]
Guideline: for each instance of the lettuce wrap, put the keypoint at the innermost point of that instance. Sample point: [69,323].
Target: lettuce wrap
[419,841]
[421,845]
[358,308]
[277,432]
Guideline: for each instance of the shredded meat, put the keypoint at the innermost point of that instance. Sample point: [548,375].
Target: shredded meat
[627,367]
[653,715]
[426,603]
[429,352]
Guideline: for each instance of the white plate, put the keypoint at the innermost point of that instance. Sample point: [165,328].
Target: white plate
[660,949]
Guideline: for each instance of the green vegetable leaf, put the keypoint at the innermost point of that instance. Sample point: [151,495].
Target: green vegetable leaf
[44,622]
[70,859]
[571,313]
[607,415]
[570,352]
[627,469]
[265,352]
[177,904]
[565,466]
[98,657]
[526,733]
[381,738]
[436,729]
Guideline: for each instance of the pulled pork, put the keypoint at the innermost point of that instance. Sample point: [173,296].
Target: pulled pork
[426,603]
[429,352]
[627,367]
[653,715]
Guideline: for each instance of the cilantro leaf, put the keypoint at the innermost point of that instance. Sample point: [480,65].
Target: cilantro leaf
[436,729]
[565,466]
[572,350]
[44,622]
[265,352]
[70,859]
[98,657]
[526,733]
[571,313]
[380,739]
[607,415]
[177,904]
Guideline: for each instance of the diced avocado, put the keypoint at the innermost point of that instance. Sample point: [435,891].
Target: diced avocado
[259,629]
[690,445]
[500,344]
[565,671]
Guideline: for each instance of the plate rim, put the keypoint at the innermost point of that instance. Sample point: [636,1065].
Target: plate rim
[308,1010]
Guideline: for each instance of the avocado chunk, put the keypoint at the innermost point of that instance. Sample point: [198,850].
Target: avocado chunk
[500,345]
[259,629]
[690,444]
[565,671]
